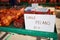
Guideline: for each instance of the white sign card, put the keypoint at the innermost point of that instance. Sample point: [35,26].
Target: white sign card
[39,22]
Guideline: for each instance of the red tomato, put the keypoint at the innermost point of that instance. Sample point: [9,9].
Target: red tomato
[32,1]
[4,0]
[23,0]
[52,1]
[44,1]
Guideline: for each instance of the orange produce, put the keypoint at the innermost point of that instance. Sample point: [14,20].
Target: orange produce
[9,15]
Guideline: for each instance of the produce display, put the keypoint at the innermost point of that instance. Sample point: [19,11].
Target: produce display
[15,15]
[9,15]
[34,1]
[4,0]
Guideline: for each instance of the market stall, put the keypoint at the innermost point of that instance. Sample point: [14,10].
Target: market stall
[12,18]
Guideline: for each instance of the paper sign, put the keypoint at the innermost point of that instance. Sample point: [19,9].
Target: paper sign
[39,22]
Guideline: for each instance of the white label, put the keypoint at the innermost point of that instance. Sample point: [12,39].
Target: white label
[34,5]
[42,9]
[39,22]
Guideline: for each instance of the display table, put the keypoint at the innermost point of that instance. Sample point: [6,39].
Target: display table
[23,31]
[30,32]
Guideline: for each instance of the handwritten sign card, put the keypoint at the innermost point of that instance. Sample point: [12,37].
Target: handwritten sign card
[39,22]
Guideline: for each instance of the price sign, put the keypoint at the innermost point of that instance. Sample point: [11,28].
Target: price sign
[39,22]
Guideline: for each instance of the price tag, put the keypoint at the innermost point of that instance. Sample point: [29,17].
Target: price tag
[40,22]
